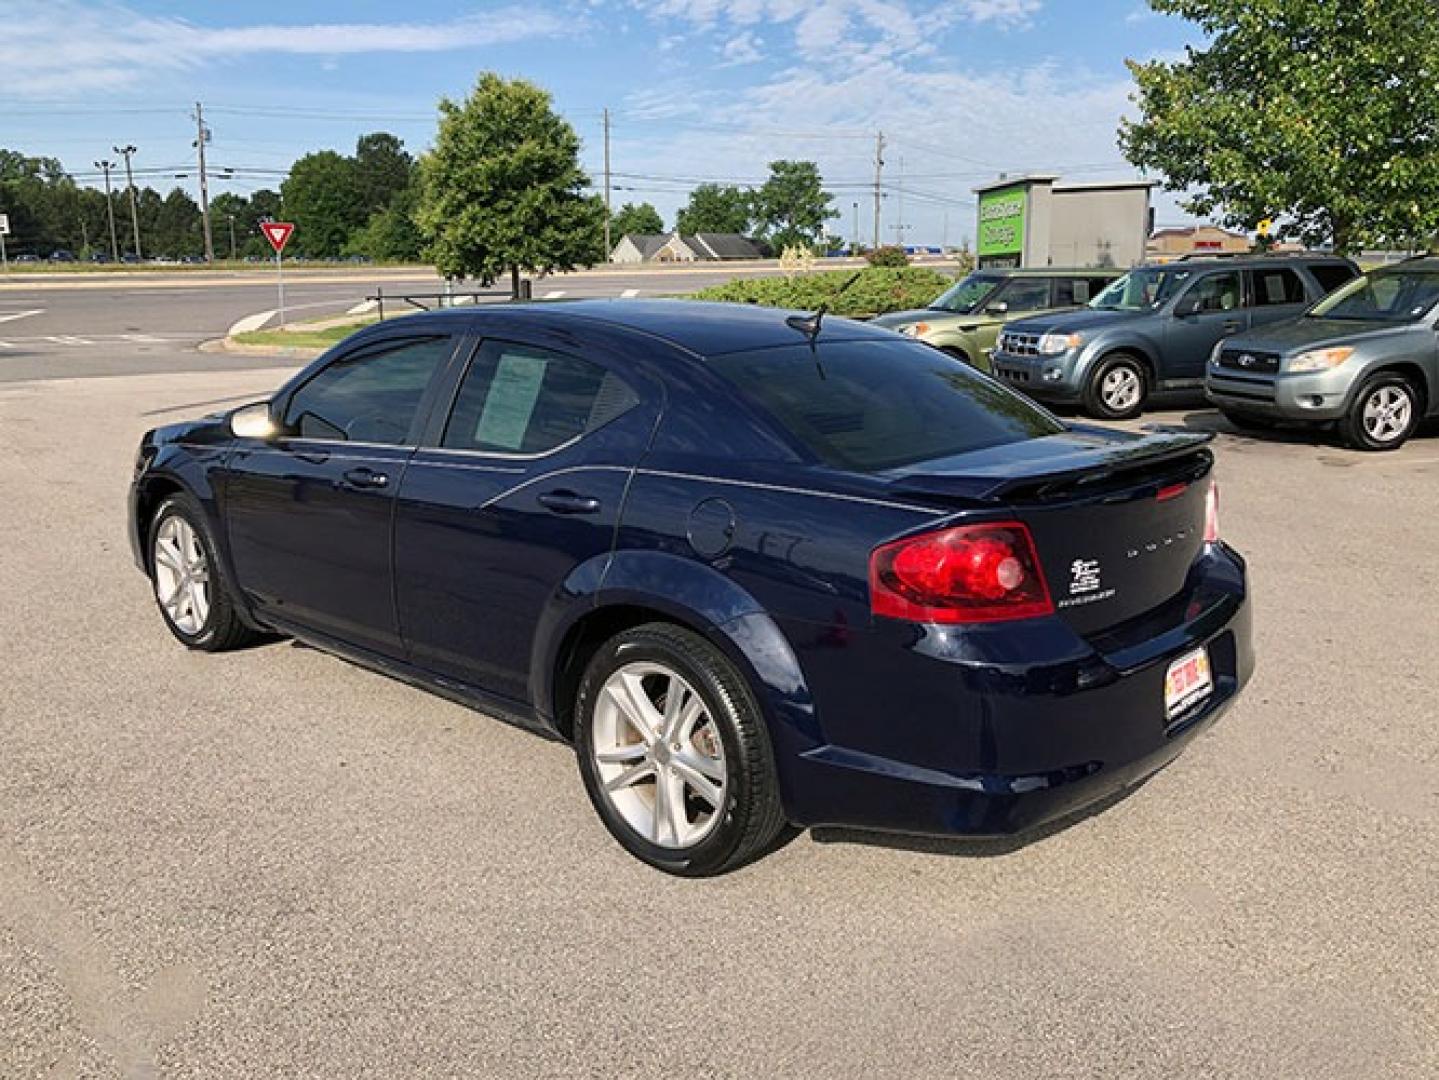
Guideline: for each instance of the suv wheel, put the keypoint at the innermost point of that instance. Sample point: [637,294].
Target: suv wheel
[1383,415]
[675,754]
[1117,388]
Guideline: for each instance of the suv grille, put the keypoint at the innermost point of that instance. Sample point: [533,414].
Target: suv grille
[1260,363]
[1017,344]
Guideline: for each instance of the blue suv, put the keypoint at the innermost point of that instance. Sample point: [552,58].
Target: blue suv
[1154,328]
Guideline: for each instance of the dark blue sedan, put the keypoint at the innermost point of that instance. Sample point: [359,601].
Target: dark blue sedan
[761,569]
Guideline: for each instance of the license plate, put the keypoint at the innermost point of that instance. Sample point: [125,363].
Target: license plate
[1188,682]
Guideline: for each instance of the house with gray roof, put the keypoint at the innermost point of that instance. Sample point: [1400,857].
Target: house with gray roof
[672,247]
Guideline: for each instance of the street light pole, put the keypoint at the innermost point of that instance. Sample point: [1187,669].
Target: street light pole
[105,167]
[231,218]
[125,152]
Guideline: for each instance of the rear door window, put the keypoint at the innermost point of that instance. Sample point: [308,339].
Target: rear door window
[870,405]
[1331,275]
[1276,285]
[1214,292]
[518,399]
[1026,294]
[371,395]
[1073,292]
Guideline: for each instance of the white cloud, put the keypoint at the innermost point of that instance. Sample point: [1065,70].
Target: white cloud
[743,48]
[64,47]
[843,31]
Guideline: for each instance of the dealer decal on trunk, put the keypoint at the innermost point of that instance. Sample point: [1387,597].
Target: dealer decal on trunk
[1085,584]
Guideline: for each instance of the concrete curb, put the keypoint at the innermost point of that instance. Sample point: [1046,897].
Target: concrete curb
[234,348]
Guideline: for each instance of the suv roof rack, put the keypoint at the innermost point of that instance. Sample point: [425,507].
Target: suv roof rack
[1195,256]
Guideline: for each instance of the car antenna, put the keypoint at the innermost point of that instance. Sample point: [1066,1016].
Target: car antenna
[809,325]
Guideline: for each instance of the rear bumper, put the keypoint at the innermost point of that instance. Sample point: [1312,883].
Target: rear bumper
[1316,396]
[1015,750]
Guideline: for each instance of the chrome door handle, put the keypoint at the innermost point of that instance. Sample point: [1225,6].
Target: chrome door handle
[568,502]
[366,478]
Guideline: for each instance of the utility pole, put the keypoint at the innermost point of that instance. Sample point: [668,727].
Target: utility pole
[878,176]
[125,152]
[854,247]
[899,223]
[202,136]
[608,247]
[231,218]
[105,167]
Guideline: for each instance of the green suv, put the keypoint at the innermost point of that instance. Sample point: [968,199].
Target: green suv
[1365,358]
[965,321]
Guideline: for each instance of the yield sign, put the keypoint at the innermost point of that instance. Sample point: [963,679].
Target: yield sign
[278,233]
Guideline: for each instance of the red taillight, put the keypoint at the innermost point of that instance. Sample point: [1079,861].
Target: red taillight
[1211,513]
[968,574]
[1173,491]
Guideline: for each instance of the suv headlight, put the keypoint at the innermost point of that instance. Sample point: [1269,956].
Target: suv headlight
[1054,344]
[1320,359]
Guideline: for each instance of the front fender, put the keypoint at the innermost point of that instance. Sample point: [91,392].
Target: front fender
[1138,345]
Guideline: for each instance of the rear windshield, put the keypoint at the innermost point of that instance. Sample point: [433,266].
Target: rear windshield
[875,405]
[1391,295]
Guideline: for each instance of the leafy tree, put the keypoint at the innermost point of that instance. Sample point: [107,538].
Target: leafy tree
[383,169]
[641,219]
[503,188]
[1323,114]
[792,206]
[322,197]
[391,235]
[716,208]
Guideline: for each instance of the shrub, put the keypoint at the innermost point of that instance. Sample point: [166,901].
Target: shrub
[875,290]
[889,256]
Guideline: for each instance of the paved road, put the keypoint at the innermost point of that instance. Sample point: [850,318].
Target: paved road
[273,863]
[54,326]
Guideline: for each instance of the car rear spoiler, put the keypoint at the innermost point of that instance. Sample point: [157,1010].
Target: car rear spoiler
[1084,458]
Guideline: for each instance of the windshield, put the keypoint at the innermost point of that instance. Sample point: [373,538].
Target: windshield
[874,405]
[1393,296]
[965,296]
[1141,290]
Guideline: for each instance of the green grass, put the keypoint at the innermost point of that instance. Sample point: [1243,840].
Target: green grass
[300,337]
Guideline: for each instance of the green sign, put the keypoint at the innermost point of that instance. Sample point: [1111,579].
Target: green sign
[1001,221]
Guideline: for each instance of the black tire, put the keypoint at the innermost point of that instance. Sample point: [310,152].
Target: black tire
[752,818]
[1356,433]
[1094,394]
[222,628]
[1248,421]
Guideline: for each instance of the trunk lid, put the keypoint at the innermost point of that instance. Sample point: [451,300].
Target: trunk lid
[1117,518]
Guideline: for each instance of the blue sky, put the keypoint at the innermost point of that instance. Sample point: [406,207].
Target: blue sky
[697,89]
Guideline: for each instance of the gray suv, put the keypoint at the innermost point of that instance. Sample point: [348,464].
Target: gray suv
[1154,328]
[1365,358]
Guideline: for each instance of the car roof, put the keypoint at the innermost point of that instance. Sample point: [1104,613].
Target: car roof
[1298,258]
[701,327]
[1057,271]
[1427,264]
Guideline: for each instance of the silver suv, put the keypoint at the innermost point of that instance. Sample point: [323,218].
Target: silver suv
[1154,328]
[1365,358]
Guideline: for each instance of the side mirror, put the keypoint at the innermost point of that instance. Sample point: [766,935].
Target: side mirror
[999,307]
[253,422]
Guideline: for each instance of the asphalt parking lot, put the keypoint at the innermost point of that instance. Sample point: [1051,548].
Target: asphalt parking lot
[273,863]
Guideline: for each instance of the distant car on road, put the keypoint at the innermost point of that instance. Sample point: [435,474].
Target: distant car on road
[756,567]
[1154,328]
[26,257]
[1365,358]
[965,320]
[130,258]
[60,255]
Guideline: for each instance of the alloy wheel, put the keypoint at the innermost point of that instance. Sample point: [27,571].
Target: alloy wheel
[1120,389]
[1387,413]
[182,575]
[659,755]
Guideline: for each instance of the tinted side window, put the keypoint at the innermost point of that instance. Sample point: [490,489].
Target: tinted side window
[1331,275]
[371,396]
[1215,292]
[1072,292]
[516,399]
[1277,285]
[1026,294]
